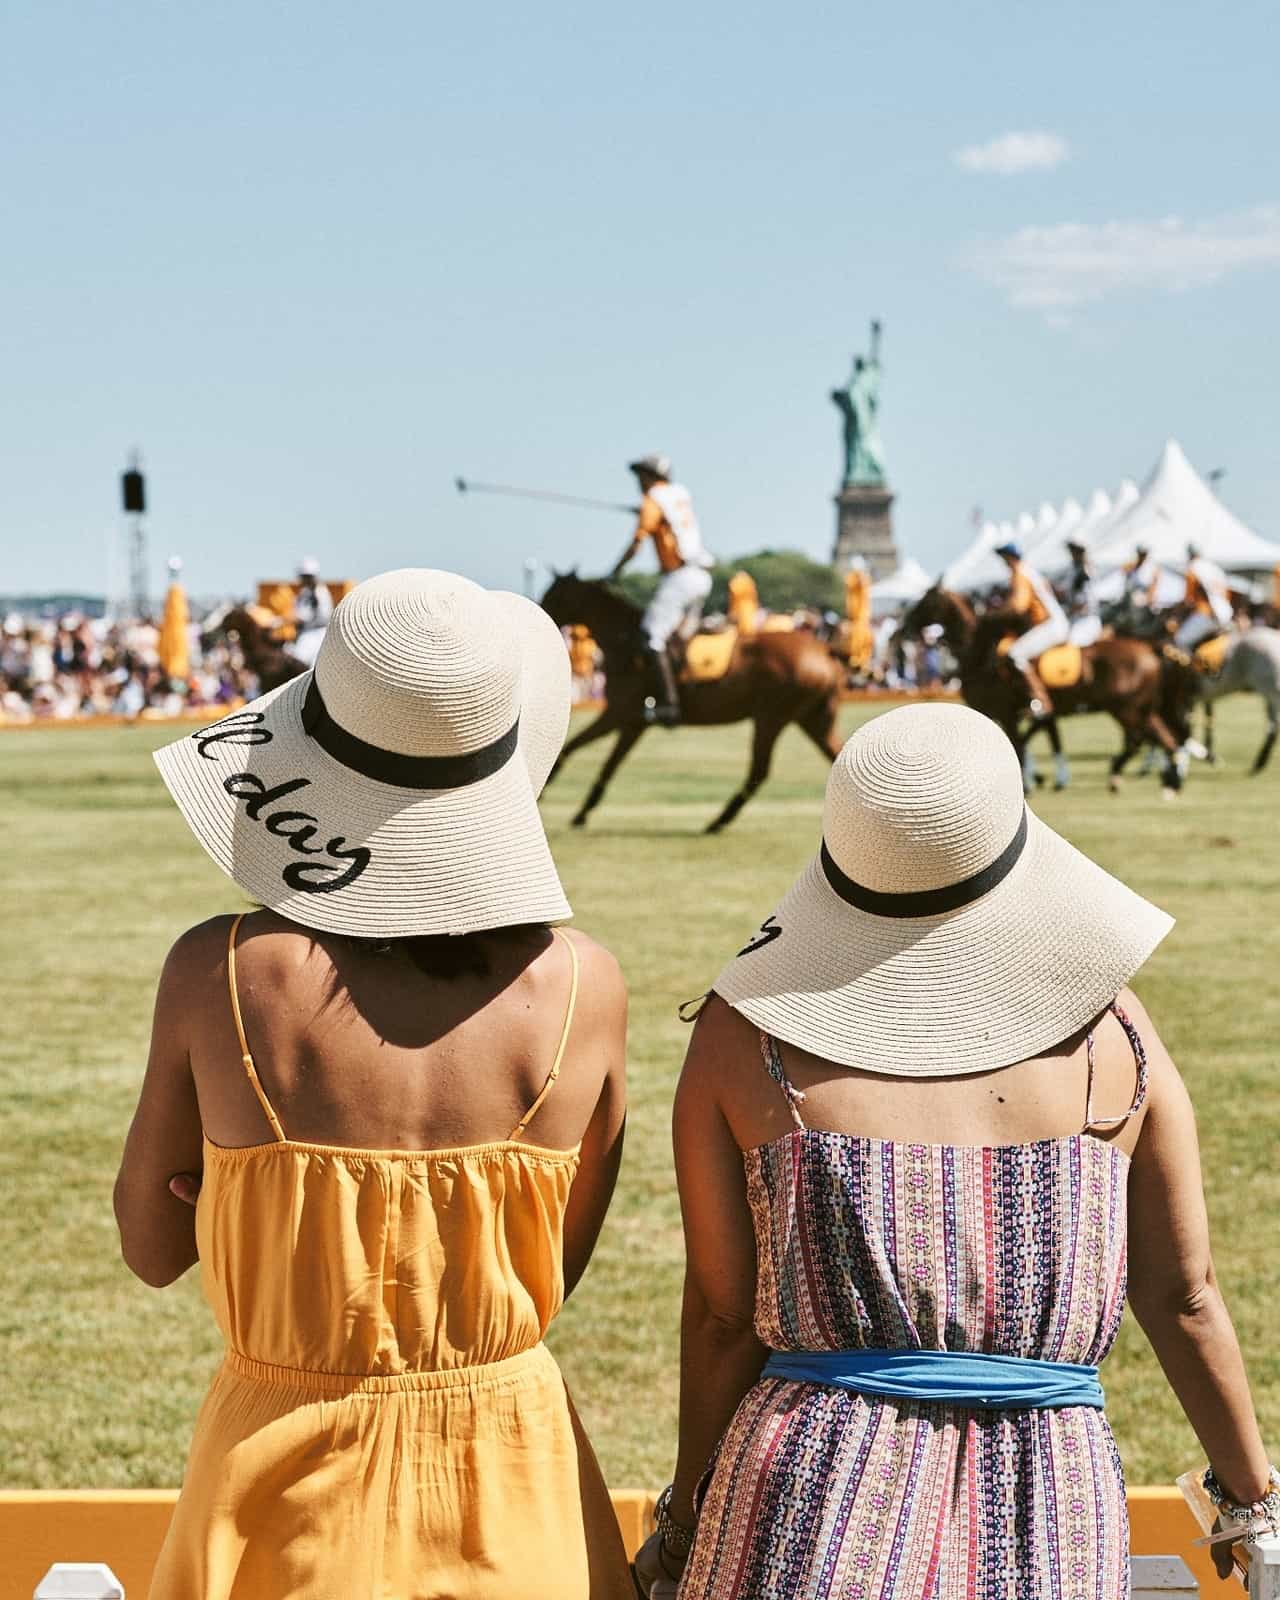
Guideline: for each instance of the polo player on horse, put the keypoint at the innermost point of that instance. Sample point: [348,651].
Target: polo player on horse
[1031,596]
[1207,601]
[666,516]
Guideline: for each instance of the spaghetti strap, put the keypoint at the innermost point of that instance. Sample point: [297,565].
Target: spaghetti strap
[772,1058]
[1140,1060]
[518,1131]
[246,1055]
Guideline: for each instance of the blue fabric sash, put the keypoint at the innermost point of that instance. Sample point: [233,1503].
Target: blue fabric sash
[944,1377]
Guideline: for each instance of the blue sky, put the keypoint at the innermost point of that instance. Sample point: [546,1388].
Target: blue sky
[317,259]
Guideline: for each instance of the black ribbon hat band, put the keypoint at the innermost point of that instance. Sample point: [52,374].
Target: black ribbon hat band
[390,766]
[926,902]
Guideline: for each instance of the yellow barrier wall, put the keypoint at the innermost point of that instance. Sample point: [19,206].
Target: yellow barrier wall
[124,1528]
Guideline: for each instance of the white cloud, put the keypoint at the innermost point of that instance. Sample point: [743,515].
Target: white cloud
[1013,153]
[1070,264]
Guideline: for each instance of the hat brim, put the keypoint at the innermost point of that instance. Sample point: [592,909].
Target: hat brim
[334,850]
[1001,980]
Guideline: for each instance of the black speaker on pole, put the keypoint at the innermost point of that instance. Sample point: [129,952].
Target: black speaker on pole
[133,488]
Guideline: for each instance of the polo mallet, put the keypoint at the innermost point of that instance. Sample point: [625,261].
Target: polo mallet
[466,486]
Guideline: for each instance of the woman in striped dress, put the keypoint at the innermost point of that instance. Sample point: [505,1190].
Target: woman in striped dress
[920,1120]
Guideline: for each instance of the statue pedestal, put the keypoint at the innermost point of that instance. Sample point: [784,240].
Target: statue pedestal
[864,528]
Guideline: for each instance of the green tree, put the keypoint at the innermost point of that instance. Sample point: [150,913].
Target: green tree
[786,579]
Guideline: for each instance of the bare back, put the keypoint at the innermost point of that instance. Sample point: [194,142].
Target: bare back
[1053,1095]
[356,1047]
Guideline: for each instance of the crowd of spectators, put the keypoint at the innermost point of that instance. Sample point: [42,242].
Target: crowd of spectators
[77,666]
[69,666]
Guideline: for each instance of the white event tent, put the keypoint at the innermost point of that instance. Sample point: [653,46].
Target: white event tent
[1175,508]
[900,588]
[978,560]
[1049,552]
[1092,527]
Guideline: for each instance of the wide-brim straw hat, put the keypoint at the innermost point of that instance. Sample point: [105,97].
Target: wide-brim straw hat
[942,928]
[393,790]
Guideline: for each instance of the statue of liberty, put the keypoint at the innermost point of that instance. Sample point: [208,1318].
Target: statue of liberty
[859,405]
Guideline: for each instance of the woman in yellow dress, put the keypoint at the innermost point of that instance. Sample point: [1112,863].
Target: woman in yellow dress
[396,1094]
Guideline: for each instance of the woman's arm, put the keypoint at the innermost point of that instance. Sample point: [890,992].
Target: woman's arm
[601,1029]
[157,1229]
[1172,1286]
[720,1356]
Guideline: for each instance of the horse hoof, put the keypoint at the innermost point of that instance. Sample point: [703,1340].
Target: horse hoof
[1113,784]
[1168,794]
[1060,786]
[580,821]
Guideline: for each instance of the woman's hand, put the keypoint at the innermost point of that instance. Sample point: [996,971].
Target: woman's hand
[657,1570]
[185,1186]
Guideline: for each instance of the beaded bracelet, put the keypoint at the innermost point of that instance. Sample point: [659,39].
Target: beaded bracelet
[677,1538]
[1261,1517]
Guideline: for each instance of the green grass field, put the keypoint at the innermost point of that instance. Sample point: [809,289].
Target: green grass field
[101,1376]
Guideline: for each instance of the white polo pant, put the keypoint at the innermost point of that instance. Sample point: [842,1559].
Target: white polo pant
[1085,631]
[1195,630]
[1037,640]
[677,593]
[307,646]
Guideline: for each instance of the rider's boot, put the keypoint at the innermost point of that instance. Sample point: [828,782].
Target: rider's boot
[663,705]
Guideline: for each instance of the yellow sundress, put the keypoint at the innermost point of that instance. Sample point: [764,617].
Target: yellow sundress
[386,1423]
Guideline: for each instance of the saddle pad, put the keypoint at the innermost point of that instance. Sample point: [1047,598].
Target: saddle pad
[707,656]
[1060,667]
[1211,654]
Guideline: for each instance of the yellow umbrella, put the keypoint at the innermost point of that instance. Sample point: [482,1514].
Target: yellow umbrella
[173,645]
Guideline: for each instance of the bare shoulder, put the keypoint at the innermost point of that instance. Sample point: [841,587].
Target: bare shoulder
[600,973]
[721,1038]
[1158,1057]
[198,953]
[267,949]
[1165,1086]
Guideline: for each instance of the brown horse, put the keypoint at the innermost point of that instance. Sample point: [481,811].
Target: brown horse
[773,679]
[1149,694]
[269,661]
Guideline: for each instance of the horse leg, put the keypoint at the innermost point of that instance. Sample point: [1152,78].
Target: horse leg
[1212,756]
[762,743]
[1061,766]
[604,724]
[627,738]
[1269,743]
[1176,759]
[1133,738]
[1020,738]
[820,725]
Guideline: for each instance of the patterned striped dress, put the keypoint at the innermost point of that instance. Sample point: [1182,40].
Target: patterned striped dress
[1013,1249]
